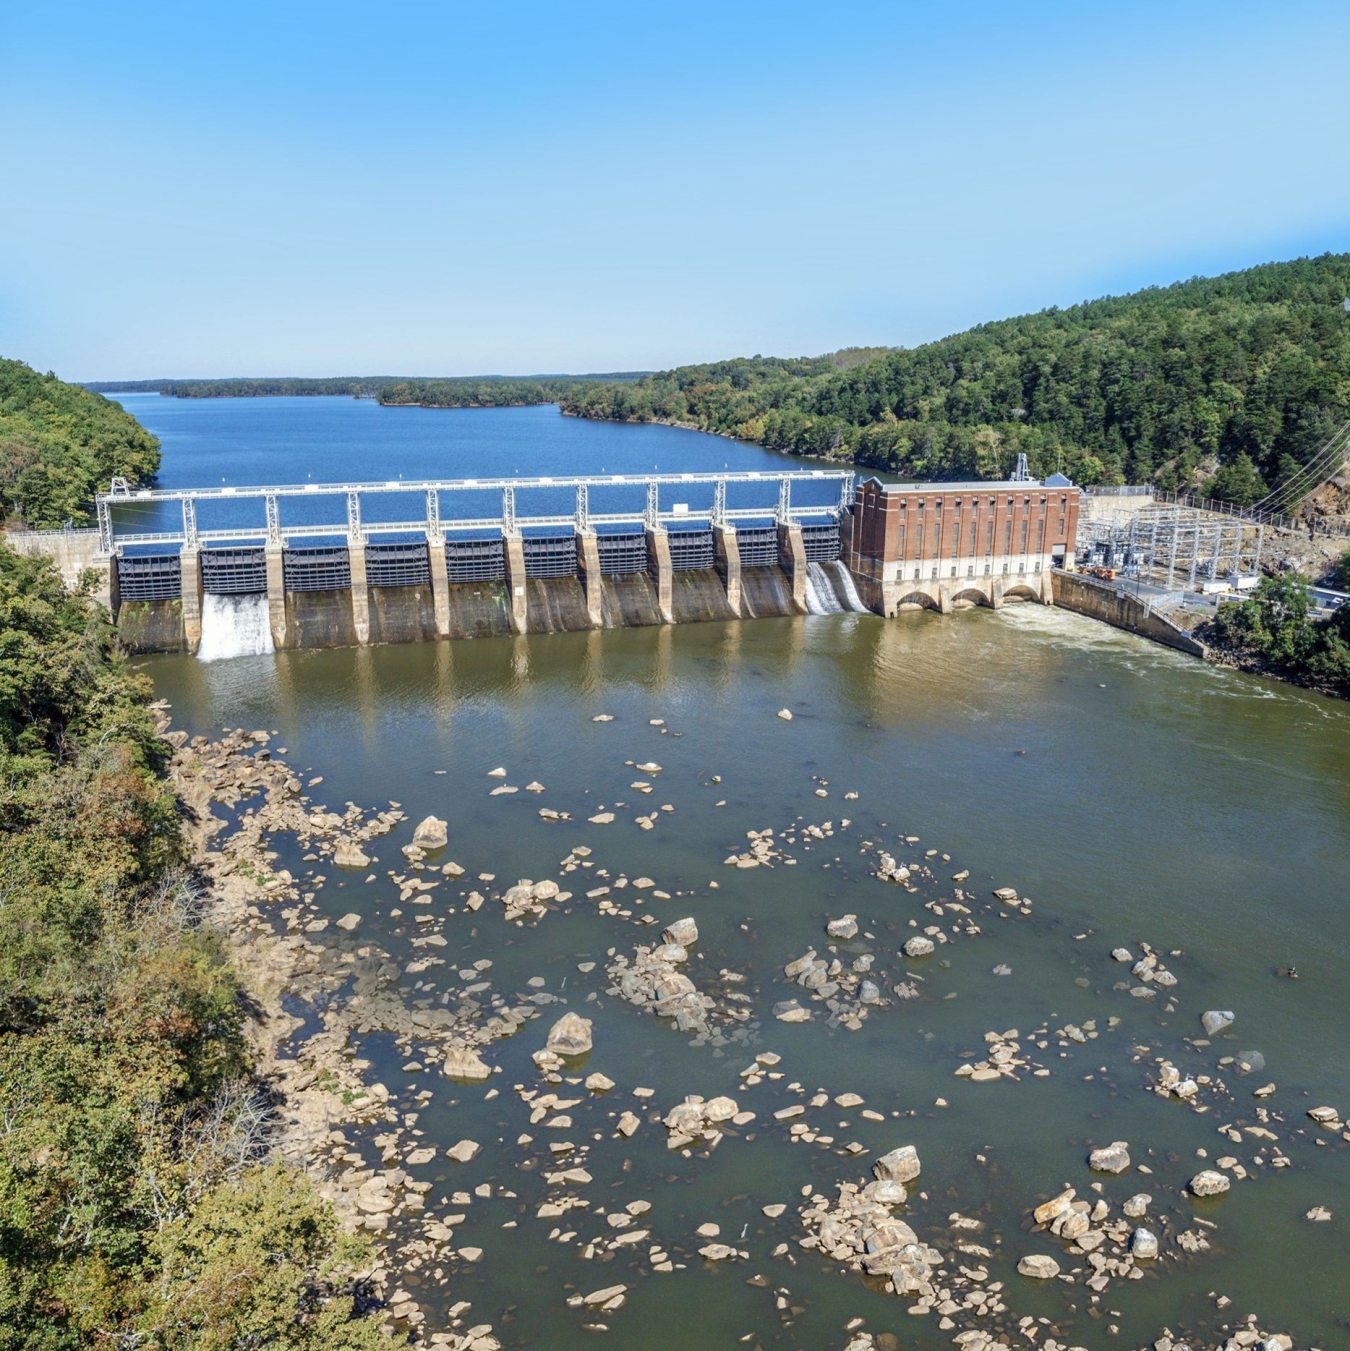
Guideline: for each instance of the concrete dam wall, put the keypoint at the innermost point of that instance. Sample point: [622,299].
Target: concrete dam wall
[341,597]
[238,589]
[1114,605]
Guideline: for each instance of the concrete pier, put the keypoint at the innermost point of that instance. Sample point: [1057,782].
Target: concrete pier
[356,556]
[792,559]
[276,594]
[727,561]
[588,560]
[190,561]
[658,565]
[440,585]
[516,591]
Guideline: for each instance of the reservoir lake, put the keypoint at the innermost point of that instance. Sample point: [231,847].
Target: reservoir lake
[1133,794]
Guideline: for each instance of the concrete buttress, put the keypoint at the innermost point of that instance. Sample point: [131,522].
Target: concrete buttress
[356,555]
[659,566]
[588,559]
[728,563]
[792,559]
[514,548]
[190,562]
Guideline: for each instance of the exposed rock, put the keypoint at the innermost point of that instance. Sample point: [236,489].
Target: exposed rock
[900,1165]
[885,1193]
[785,714]
[570,1035]
[1039,1267]
[888,870]
[844,928]
[861,1231]
[1055,1208]
[605,1296]
[653,983]
[683,933]
[347,853]
[1215,1021]
[463,1151]
[349,921]
[1209,1182]
[1143,1244]
[918,946]
[463,1062]
[1112,1158]
[431,833]
[720,1109]
[717,1252]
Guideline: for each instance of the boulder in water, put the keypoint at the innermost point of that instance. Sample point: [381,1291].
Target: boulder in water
[900,1165]
[1209,1182]
[431,833]
[349,854]
[1039,1267]
[463,1062]
[570,1035]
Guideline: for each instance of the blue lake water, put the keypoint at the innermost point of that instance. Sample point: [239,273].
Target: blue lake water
[242,443]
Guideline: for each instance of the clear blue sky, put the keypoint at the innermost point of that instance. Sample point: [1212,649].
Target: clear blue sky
[252,189]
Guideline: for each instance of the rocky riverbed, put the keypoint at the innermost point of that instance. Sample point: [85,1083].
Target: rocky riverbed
[574,1147]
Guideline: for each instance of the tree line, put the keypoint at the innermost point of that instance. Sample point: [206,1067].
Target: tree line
[479,391]
[1229,384]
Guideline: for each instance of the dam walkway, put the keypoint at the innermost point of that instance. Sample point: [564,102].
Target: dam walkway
[238,569]
[347,563]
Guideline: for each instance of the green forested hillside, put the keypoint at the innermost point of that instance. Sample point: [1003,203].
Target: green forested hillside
[1229,382]
[59,444]
[136,1205]
[495,391]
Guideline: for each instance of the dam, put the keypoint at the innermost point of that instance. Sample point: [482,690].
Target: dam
[235,571]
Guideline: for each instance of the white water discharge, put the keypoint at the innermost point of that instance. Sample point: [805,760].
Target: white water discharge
[234,626]
[820,597]
[844,586]
[831,592]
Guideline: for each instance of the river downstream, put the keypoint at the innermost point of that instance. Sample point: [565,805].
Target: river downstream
[1134,795]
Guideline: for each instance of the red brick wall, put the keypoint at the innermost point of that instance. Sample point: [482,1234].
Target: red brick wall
[924,525]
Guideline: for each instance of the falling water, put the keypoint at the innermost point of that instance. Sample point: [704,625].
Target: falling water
[830,592]
[234,626]
[845,588]
[820,597]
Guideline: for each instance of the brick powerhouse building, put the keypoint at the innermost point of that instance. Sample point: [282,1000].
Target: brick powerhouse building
[940,545]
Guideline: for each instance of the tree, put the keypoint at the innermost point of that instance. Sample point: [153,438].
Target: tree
[1273,622]
[1238,483]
